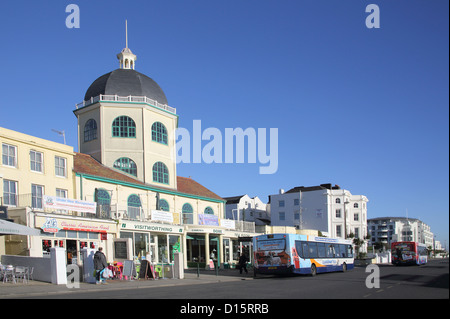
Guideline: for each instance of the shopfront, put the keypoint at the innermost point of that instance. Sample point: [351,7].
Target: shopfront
[73,234]
[237,243]
[156,242]
[204,244]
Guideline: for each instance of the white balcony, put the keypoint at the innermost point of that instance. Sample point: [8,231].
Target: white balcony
[135,99]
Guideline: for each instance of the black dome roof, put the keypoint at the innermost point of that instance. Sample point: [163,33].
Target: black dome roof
[125,82]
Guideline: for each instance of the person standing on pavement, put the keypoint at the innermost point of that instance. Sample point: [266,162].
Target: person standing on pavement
[243,263]
[99,264]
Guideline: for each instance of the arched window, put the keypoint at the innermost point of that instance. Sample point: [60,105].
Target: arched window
[101,196]
[163,205]
[134,206]
[123,126]
[188,214]
[90,130]
[126,165]
[338,200]
[209,210]
[160,173]
[159,133]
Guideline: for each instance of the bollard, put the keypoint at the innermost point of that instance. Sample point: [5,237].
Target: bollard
[198,270]
[217,268]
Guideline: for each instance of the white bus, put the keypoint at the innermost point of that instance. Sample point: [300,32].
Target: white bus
[301,254]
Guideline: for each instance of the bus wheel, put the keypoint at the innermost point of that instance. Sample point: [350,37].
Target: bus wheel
[344,267]
[313,270]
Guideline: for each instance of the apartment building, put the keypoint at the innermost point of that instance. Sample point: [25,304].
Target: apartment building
[334,211]
[385,230]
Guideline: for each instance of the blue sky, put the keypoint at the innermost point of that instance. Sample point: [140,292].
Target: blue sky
[366,109]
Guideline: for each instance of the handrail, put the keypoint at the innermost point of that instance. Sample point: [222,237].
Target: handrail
[130,98]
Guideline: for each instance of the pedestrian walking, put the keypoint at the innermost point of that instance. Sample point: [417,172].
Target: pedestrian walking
[99,264]
[243,263]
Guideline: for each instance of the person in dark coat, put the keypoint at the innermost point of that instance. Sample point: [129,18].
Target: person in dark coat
[243,263]
[99,263]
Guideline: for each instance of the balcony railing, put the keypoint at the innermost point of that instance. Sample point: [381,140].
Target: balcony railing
[117,212]
[137,214]
[116,98]
[36,203]
[244,226]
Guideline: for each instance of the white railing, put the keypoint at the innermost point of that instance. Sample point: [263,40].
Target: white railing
[244,226]
[116,98]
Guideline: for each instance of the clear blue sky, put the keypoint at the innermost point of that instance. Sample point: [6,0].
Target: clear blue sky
[367,109]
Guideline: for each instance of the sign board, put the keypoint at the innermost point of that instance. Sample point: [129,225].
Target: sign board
[208,219]
[53,224]
[121,248]
[133,225]
[146,270]
[228,223]
[129,269]
[54,203]
[162,216]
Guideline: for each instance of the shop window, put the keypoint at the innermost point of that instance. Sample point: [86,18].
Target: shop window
[174,246]
[141,247]
[46,245]
[93,235]
[162,249]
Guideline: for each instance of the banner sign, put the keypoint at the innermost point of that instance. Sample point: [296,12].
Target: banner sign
[53,225]
[208,219]
[54,203]
[228,223]
[162,216]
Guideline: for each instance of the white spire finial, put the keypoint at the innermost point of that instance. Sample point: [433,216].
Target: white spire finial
[126,58]
[126,34]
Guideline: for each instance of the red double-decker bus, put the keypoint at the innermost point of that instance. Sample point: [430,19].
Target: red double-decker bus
[409,252]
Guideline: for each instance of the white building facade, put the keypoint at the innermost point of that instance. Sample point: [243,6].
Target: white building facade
[246,208]
[386,230]
[333,211]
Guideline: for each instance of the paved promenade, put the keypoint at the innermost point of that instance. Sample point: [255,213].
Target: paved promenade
[38,288]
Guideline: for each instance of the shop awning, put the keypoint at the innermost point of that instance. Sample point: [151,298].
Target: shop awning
[201,237]
[9,228]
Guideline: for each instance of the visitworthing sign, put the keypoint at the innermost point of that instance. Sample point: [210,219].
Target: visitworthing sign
[54,203]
